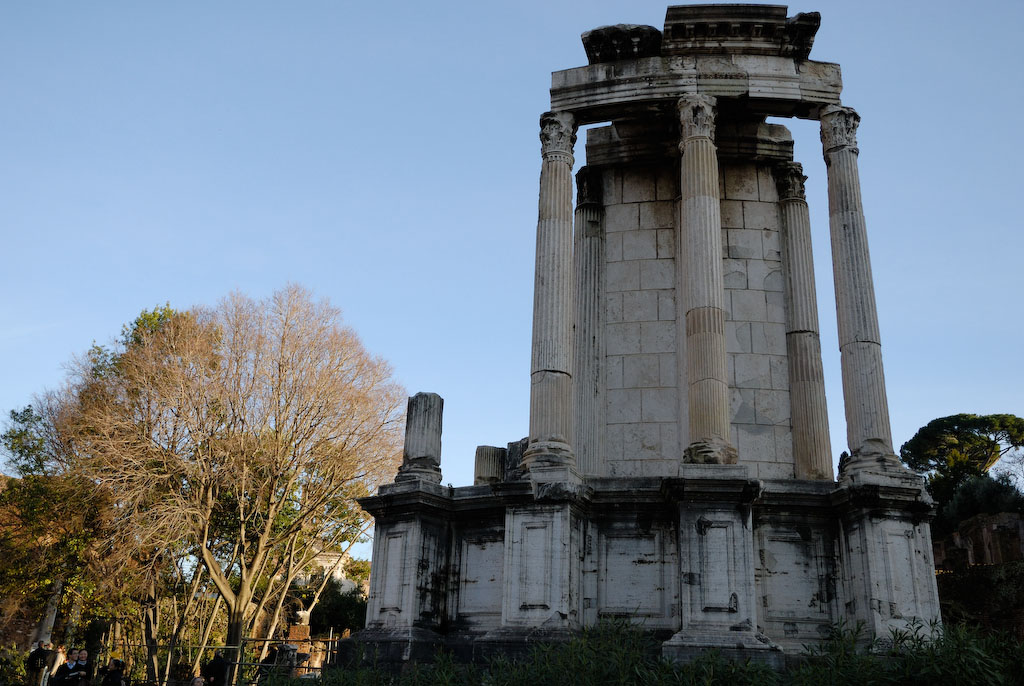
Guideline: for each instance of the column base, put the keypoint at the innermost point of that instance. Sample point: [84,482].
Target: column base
[710,451]
[876,465]
[556,482]
[419,469]
[549,453]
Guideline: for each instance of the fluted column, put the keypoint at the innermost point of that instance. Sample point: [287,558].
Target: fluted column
[421,455]
[811,444]
[588,256]
[488,465]
[551,363]
[867,408]
[700,250]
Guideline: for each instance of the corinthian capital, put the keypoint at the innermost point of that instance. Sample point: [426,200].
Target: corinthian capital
[697,116]
[557,136]
[839,128]
[789,179]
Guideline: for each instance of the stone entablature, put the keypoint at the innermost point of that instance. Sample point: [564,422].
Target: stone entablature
[738,30]
[677,471]
[708,30]
[773,86]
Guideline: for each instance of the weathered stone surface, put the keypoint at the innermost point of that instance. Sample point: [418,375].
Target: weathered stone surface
[588,262]
[620,42]
[489,465]
[739,30]
[675,328]
[700,263]
[867,407]
[421,456]
[551,367]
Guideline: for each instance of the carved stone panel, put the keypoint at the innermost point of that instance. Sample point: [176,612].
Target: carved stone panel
[480,580]
[391,583]
[900,572]
[717,570]
[535,565]
[636,578]
[541,566]
[716,553]
[394,586]
[796,582]
[887,568]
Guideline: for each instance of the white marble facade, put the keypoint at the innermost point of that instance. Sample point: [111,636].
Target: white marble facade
[644,368]
[677,470]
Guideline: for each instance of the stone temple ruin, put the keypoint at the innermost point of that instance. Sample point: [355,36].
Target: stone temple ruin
[678,470]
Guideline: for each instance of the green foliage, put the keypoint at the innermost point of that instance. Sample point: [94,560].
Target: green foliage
[953,654]
[977,495]
[955,448]
[619,654]
[986,596]
[24,442]
[358,571]
[12,665]
[609,653]
[339,610]
[147,323]
[49,521]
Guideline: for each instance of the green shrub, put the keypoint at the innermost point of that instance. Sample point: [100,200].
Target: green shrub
[12,665]
[617,654]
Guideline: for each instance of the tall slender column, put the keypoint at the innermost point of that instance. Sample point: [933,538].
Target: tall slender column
[551,363]
[701,252]
[811,444]
[867,408]
[588,255]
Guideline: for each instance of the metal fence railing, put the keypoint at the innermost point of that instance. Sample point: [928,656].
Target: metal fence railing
[249,664]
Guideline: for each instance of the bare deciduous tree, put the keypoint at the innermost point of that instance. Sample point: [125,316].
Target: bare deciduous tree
[244,431]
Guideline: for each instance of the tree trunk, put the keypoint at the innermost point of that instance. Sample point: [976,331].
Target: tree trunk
[151,629]
[74,617]
[45,627]
[206,634]
[236,627]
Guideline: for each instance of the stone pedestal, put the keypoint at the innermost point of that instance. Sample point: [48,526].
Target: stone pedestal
[408,582]
[409,554]
[887,554]
[716,553]
[542,545]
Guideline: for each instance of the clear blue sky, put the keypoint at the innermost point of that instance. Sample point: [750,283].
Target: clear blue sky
[386,156]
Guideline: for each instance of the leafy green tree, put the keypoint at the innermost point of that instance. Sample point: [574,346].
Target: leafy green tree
[978,495]
[338,609]
[952,449]
[358,571]
[50,523]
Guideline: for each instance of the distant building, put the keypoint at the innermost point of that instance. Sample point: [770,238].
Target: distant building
[984,539]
